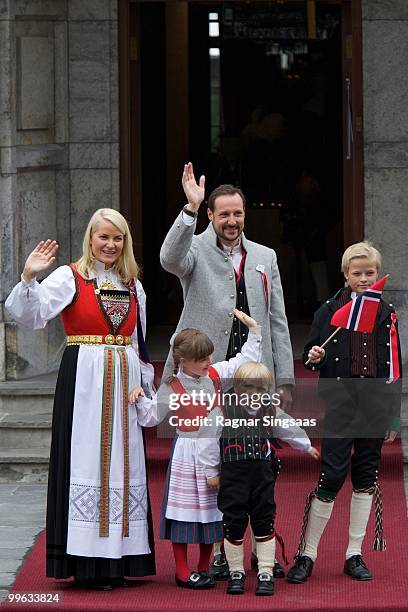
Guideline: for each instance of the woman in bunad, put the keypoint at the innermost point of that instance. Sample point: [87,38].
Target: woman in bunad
[99,525]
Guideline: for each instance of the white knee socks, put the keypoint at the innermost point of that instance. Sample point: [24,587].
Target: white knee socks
[235,556]
[319,515]
[265,551]
[360,508]
[217,548]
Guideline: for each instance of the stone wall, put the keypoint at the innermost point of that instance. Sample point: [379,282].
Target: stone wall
[58,145]
[385,57]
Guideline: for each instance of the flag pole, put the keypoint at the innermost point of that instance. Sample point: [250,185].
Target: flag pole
[327,341]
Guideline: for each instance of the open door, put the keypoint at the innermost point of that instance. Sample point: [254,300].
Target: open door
[192,77]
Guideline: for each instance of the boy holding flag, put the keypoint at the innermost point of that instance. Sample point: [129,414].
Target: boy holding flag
[360,381]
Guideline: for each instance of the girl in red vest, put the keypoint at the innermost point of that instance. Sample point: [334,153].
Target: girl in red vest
[190,514]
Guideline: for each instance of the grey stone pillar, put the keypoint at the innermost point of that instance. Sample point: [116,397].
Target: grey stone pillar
[58,146]
[385,57]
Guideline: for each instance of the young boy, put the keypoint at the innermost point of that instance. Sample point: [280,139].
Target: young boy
[362,411]
[247,475]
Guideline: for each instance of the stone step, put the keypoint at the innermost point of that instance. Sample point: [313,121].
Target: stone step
[24,437]
[25,429]
[28,466]
[29,399]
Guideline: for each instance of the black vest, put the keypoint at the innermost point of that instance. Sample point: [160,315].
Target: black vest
[251,440]
[239,331]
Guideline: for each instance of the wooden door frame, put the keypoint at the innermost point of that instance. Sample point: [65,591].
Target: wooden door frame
[130,188]
[130,121]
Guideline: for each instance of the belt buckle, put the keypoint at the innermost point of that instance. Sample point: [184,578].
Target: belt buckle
[109,339]
[120,339]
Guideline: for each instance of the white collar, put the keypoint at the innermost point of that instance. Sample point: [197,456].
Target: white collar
[235,249]
[183,374]
[100,268]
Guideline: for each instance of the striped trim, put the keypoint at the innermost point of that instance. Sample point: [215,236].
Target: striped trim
[106,438]
[124,374]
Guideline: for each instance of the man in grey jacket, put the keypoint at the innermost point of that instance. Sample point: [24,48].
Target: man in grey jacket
[220,270]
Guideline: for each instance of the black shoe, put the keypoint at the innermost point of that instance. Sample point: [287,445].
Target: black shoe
[266,584]
[197,581]
[236,583]
[96,584]
[278,571]
[301,570]
[357,569]
[219,569]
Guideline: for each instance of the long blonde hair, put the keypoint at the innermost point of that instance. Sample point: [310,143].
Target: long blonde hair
[125,266]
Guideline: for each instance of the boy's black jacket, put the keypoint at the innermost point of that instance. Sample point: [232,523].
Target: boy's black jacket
[337,362]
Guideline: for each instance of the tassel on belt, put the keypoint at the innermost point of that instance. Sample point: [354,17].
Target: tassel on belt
[110,355]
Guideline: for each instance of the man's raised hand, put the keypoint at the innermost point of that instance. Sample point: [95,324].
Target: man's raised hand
[40,259]
[194,193]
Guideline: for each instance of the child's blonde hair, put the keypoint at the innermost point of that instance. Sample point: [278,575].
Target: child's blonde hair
[125,266]
[360,249]
[254,371]
[190,344]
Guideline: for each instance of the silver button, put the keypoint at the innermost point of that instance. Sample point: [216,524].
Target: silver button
[232,296]
[230,314]
[225,258]
[388,363]
[226,332]
[337,359]
[335,340]
[388,344]
[241,292]
[365,356]
[365,367]
[391,304]
[235,333]
[243,335]
[231,277]
[388,326]
[364,343]
[235,348]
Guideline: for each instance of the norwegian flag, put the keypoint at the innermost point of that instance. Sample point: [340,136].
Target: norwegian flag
[360,314]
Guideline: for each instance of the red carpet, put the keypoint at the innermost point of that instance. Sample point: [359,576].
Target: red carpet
[328,589]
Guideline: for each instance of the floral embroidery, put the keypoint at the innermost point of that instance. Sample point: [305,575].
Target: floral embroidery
[116,306]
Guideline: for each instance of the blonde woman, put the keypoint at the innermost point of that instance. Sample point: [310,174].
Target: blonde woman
[98,516]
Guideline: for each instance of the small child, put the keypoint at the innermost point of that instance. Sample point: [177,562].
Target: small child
[248,470]
[362,411]
[190,514]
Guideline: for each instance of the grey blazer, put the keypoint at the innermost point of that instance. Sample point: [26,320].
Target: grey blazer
[208,281]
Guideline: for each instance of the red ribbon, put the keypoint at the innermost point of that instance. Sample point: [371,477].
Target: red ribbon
[394,357]
[265,283]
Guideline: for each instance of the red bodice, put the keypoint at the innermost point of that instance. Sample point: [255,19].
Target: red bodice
[96,311]
[189,410]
